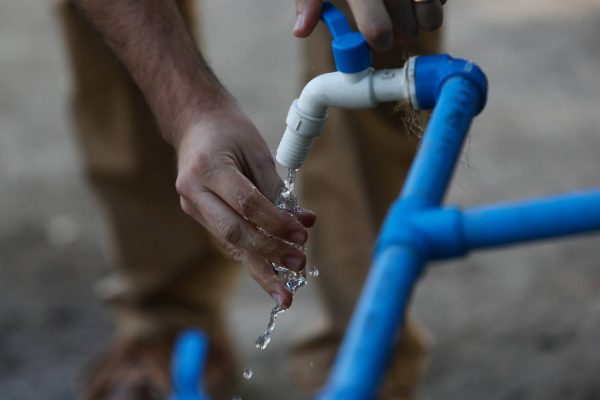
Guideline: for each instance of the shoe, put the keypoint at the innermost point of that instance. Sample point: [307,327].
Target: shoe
[139,369]
[131,369]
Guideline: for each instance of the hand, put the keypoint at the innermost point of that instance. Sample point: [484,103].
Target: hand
[227,182]
[382,22]
[227,177]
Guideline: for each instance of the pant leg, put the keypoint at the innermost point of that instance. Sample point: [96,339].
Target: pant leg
[353,173]
[168,271]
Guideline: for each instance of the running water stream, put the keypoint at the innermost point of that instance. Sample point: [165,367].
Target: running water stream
[288,201]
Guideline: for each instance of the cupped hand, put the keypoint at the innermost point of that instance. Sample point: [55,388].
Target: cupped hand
[382,22]
[227,182]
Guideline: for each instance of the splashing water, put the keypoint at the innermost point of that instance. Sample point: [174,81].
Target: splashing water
[263,340]
[247,374]
[288,201]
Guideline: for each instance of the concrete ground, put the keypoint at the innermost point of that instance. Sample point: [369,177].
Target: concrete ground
[521,323]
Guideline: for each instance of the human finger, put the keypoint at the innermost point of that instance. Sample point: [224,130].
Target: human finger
[263,174]
[308,13]
[307,217]
[263,273]
[404,23]
[248,201]
[237,235]
[429,14]
[374,22]
[268,182]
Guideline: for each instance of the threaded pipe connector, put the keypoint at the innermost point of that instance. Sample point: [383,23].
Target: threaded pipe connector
[301,130]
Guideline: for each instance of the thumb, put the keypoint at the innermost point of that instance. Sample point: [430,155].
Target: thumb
[307,17]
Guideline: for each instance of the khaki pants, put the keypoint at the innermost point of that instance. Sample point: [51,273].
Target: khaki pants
[169,272]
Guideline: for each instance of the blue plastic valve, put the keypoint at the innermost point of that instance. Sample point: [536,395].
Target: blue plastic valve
[350,49]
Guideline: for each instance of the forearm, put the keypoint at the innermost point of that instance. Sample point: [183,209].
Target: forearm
[226,177]
[152,40]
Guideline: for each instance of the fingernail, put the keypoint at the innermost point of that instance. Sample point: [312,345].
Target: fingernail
[299,22]
[278,298]
[306,211]
[298,237]
[292,261]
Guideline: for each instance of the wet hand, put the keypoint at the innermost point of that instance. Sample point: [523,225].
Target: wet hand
[227,182]
[382,22]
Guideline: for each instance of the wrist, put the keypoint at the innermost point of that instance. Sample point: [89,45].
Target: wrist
[198,116]
[186,101]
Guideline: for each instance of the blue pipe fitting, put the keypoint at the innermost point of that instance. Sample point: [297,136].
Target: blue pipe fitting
[432,72]
[350,49]
[443,232]
[189,356]
[398,229]
[433,233]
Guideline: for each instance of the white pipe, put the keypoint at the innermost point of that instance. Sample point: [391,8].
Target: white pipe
[308,113]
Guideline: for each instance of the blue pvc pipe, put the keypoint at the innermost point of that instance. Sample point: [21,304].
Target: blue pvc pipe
[544,218]
[189,356]
[434,164]
[366,349]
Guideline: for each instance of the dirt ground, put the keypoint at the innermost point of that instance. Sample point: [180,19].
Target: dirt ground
[520,323]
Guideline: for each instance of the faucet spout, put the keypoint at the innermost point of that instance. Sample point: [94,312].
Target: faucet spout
[308,113]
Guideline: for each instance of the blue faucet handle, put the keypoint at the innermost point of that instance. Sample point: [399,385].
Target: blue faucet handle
[350,49]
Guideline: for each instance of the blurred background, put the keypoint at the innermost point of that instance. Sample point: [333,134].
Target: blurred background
[520,323]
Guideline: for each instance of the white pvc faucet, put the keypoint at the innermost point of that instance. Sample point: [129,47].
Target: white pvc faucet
[359,90]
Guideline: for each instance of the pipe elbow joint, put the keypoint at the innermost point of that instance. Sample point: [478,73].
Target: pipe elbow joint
[314,97]
[432,72]
[336,89]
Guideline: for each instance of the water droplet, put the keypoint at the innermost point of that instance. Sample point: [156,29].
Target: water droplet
[311,364]
[313,272]
[294,281]
[262,341]
[287,199]
[247,374]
